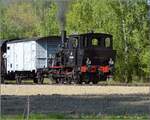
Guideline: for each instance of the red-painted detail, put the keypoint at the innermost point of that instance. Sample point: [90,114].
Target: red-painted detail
[83,68]
[56,67]
[93,69]
[104,69]
[60,72]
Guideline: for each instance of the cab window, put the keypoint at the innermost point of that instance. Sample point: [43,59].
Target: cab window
[94,42]
[74,42]
[107,43]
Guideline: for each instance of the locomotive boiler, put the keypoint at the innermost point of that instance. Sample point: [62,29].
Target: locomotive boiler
[85,58]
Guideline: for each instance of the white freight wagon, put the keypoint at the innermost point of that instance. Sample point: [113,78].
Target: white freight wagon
[30,57]
[21,56]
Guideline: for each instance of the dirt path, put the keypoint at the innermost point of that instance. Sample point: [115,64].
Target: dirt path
[71,90]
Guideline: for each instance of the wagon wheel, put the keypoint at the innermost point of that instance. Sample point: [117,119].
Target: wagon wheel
[2,80]
[40,80]
[35,80]
[40,77]
[77,78]
[18,79]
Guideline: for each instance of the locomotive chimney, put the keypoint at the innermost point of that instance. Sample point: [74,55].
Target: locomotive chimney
[63,37]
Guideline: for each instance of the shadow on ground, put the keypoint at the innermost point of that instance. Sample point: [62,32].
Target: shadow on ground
[82,104]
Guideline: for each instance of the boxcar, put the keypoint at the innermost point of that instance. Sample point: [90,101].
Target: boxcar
[29,58]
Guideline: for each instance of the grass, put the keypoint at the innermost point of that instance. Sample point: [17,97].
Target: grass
[46,81]
[82,117]
[108,82]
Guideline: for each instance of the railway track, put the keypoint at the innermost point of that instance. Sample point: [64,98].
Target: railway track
[83,84]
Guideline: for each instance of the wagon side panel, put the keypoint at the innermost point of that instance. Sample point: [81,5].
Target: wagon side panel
[41,54]
[29,52]
[18,56]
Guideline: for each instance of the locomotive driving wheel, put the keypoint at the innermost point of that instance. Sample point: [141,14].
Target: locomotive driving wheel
[77,78]
[70,78]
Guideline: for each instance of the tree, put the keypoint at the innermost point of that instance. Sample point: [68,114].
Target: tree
[134,36]
[80,17]
[20,20]
[46,13]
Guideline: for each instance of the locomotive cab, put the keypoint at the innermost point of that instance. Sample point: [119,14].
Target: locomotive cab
[97,47]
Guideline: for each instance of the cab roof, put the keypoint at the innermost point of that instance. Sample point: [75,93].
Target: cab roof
[92,34]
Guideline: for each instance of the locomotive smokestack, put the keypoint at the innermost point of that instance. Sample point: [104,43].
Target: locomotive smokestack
[61,17]
[63,37]
[61,13]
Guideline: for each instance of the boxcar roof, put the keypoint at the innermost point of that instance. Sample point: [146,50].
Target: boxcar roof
[34,39]
[8,40]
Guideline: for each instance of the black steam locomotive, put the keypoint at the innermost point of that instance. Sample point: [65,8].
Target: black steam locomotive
[83,58]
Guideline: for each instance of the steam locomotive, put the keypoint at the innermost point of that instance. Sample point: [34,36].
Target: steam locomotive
[83,58]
